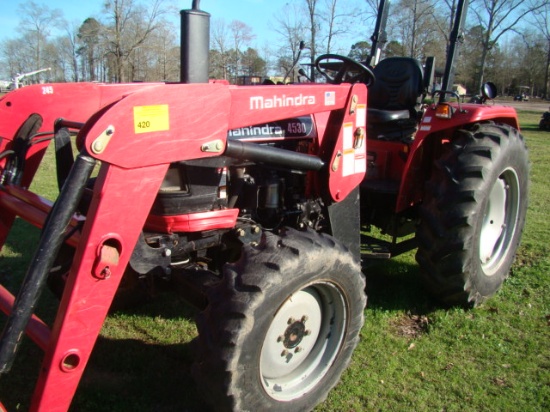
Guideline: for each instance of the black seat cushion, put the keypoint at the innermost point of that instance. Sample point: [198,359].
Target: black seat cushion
[397,92]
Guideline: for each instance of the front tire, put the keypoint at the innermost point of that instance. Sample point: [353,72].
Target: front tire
[282,325]
[473,214]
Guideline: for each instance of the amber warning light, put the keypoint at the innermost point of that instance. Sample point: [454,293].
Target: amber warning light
[444,111]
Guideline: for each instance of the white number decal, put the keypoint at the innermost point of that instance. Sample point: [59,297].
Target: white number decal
[296,128]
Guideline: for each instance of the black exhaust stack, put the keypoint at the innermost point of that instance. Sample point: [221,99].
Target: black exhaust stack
[195,44]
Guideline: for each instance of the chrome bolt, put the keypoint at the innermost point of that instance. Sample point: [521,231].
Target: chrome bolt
[106,273]
[97,146]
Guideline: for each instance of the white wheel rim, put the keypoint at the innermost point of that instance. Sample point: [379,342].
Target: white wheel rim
[499,221]
[302,341]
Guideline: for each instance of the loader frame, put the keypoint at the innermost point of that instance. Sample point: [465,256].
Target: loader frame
[136,132]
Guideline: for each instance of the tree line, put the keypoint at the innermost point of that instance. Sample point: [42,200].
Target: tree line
[505,41]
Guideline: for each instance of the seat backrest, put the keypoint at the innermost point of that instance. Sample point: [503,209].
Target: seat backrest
[398,86]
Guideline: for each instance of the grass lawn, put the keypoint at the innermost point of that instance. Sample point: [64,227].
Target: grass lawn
[414,355]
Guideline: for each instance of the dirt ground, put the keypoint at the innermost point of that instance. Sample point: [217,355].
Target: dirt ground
[536,105]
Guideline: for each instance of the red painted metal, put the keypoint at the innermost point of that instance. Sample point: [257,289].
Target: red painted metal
[414,171]
[136,131]
[34,209]
[112,220]
[40,203]
[72,101]
[37,330]
[194,116]
[196,222]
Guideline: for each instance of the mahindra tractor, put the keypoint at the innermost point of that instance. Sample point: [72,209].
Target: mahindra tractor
[445,178]
[261,205]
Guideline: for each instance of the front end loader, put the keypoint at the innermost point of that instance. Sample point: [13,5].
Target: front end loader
[245,197]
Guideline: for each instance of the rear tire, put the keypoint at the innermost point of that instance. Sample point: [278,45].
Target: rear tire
[473,214]
[15,163]
[282,324]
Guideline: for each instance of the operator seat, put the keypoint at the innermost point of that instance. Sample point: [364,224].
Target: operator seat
[395,99]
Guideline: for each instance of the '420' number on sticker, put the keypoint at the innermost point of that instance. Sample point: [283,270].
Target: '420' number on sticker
[144,125]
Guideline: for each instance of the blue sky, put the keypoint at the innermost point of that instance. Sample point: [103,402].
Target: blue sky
[258,14]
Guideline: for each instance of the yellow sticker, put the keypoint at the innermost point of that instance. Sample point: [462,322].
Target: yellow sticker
[151,118]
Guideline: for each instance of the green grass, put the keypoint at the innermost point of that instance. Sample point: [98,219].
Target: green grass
[414,355]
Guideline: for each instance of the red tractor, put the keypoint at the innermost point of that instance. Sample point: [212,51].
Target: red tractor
[250,199]
[449,178]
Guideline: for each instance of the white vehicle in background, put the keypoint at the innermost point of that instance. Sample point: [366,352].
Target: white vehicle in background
[5,85]
[20,76]
[17,81]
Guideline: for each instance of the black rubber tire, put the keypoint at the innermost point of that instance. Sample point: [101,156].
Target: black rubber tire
[236,344]
[473,214]
[15,164]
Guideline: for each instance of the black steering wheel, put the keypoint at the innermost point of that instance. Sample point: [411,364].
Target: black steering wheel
[347,70]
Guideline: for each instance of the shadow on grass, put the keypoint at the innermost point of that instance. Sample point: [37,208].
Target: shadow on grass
[22,241]
[532,128]
[396,285]
[140,374]
[124,374]
[131,375]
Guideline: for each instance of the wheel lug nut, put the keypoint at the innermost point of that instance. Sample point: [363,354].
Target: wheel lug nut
[304,318]
[297,350]
[284,353]
[307,332]
[291,321]
[280,338]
